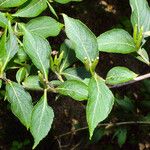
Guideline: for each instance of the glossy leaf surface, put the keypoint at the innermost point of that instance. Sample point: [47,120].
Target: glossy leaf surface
[44,26]
[140,14]
[86,47]
[38,50]
[33,9]
[119,75]
[75,89]
[21,102]
[100,103]
[42,118]
[11,3]
[116,41]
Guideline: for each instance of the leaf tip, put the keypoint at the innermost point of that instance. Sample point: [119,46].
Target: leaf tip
[64,16]
[35,144]
[91,134]
[91,130]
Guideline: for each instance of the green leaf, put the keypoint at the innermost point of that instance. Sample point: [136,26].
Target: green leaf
[68,55]
[33,9]
[119,75]
[21,102]
[122,136]
[116,41]
[38,50]
[44,26]
[55,82]
[42,118]
[126,104]
[140,14]
[21,74]
[52,10]
[3,20]
[12,44]
[67,1]
[3,45]
[11,3]
[97,136]
[32,83]
[86,47]
[77,73]
[75,89]
[143,56]
[22,56]
[11,47]
[100,103]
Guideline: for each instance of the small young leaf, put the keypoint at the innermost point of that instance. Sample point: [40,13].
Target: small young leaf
[21,74]
[143,56]
[42,118]
[32,83]
[38,50]
[11,3]
[68,55]
[67,1]
[119,75]
[44,26]
[116,41]
[100,103]
[3,20]
[52,10]
[33,9]
[140,14]
[75,89]
[21,102]
[86,47]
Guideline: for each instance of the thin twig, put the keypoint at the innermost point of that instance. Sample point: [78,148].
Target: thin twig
[59,76]
[105,124]
[4,79]
[59,143]
[140,78]
[76,145]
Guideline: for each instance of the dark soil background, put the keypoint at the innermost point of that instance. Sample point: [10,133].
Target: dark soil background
[99,16]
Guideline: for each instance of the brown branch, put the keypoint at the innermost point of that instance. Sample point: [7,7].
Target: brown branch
[140,78]
[4,79]
[105,125]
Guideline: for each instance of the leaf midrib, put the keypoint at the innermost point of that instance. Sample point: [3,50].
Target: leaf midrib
[121,43]
[67,74]
[40,28]
[137,13]
[9,52]
[64,89]
[82,45]
[43,68]
[18,102]
[32,6]
[43,109]
[4,2]
[98,93]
